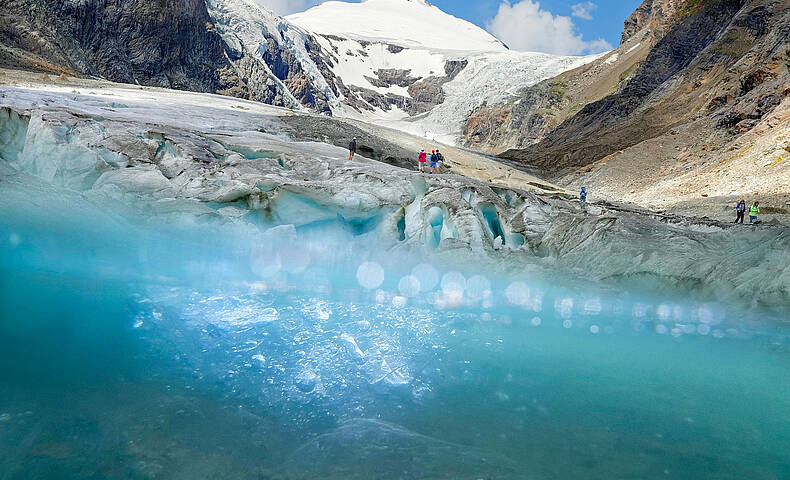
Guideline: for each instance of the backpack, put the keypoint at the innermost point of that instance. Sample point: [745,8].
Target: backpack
[439,157]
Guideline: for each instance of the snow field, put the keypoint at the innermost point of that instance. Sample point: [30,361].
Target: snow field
[410,23]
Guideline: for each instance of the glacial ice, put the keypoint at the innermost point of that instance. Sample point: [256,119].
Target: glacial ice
[173,171]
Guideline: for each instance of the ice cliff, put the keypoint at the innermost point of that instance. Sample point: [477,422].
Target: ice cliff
[179,157]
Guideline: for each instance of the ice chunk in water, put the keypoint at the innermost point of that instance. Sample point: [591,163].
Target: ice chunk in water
[269,314]
[318,310]
[398,377]
[351,347]
[259,358]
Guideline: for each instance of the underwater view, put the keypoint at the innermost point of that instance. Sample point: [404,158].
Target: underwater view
[394,240]
[136,348]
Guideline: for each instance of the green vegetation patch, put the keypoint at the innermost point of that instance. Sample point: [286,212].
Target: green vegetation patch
[734,43]
[558,90]
[626,76]
[690,8]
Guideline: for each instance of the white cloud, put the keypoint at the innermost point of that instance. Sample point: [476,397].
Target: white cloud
[583,10]
[525,26]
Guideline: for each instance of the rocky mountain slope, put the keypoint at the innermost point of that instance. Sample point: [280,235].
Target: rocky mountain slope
[188,45]
[534,111]
[126,41]
[702,121]
[654,17]
[724,58]
[530,114]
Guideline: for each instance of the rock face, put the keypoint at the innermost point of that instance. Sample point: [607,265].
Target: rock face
[171,44]
[725,60]
[655,16]
[387,77]
[281,64]
[423,93]
[384,90]
[169,165]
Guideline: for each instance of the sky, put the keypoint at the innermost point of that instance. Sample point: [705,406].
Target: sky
[563,27]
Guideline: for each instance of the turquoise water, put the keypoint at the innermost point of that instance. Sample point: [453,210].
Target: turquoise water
[136,349]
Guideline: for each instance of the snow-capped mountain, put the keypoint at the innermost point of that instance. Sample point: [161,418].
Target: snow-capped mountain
[410,23]
[400,63]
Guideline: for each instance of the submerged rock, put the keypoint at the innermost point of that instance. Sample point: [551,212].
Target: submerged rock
[385,450]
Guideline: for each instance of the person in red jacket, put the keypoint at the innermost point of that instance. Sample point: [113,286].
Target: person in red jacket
[422,158]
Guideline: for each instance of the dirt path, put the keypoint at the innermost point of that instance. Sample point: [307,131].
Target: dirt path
[463,162]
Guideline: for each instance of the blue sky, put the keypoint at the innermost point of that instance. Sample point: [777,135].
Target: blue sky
[568,27]
[607,18]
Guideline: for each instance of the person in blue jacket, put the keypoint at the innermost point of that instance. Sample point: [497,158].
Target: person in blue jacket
[740,211]
[433,159]
[583,195]
[439,161]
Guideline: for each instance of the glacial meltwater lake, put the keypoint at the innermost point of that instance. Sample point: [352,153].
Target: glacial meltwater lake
[137,350]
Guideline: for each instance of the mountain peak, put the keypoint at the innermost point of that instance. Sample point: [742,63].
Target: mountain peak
[411,23]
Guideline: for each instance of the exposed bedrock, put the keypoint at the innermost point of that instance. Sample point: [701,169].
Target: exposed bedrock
[269,180]
[126,41]
[654,15]
[423,93]
[387,77]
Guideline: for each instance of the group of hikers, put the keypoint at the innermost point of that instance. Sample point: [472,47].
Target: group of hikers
[740,211]
[434,160]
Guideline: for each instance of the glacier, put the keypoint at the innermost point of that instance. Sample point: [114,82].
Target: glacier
[189,289]
[393,69]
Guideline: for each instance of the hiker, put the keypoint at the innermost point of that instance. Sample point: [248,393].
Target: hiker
[421,158]
[740,210]
[753,212]
[434,159]
[352,148]
[583,195]
[439,160]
